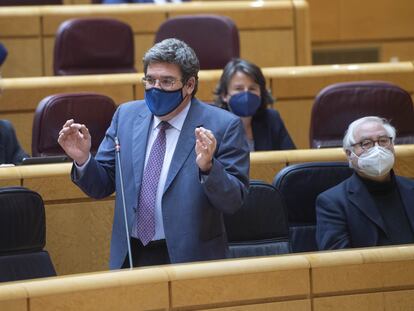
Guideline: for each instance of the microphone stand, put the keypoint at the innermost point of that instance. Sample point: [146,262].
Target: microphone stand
[118,158]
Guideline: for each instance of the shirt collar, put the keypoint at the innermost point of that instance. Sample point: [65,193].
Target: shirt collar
[176,122]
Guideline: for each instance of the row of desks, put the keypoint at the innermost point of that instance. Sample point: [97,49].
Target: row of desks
[357,280]
[294,87]
[79,228]
[279,35]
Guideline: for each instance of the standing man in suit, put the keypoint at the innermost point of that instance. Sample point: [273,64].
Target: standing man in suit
[175,211]
[373,207]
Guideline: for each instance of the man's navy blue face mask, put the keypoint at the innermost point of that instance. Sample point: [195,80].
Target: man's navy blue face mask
[244,104]
[162,102]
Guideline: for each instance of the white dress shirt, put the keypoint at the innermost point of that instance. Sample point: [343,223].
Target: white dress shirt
[172,134]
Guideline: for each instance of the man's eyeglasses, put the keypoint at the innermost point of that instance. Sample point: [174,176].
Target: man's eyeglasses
[366,144]
[164,83]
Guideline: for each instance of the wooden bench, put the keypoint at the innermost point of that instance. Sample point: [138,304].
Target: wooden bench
[79,228]
[278,37]
[358,279]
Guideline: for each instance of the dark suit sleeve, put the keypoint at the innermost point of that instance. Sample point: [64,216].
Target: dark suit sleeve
[331,224]
[13,153]
[280,133]
[227,183]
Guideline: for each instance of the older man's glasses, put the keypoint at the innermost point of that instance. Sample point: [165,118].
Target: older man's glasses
[164,83]
[366,144]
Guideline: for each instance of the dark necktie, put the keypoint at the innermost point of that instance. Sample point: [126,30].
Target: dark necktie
[145,220]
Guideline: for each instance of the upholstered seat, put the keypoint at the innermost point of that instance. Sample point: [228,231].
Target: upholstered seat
[93,46]
[337,105]
[260,226]
[214,38]
[93,110]
[300,184]
[23,236]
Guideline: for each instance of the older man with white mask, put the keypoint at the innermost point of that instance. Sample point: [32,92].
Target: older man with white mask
[373,207]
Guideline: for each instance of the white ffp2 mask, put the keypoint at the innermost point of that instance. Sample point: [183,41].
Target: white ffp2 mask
[377,161]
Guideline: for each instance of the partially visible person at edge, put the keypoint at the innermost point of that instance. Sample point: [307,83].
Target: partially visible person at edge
[176,216]
[10,150]
[374,206]
[242,90]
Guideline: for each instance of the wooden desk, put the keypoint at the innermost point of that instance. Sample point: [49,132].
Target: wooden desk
[294,87]
[356,279]
[79,228]
[278,37]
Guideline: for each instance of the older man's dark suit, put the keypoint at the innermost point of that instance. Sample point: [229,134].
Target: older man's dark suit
[348,217]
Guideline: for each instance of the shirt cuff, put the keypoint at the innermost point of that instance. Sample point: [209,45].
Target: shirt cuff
[80,169]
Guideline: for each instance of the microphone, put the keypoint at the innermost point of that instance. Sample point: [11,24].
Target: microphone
[118,158]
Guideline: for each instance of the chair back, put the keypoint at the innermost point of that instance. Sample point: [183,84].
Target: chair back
[214,38]
[337,105]
[93,110]
[23,236]
[300,184]
[259,227]
[93,46]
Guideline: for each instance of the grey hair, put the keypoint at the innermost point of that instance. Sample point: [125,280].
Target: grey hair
[174,51]
[349,138]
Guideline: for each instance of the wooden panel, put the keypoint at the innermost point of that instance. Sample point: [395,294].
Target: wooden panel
[232,282]
[10,176]
[142,18]
[312,79]
[392,20]
[78,235]
[324,23]
[296,305]
[271,14]
[13,298]
[20,22]
[24,57]
[126,290]
[387,301]
[142,43]
[207,83]
[52,181]
[397,51]
[302,33]
[264,165]
[269,53]
[340,272]
[363,302]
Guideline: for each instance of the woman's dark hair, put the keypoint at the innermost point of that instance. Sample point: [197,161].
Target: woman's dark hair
[249,69]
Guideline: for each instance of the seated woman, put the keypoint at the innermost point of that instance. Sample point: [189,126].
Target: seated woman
[10,150]
[242,90]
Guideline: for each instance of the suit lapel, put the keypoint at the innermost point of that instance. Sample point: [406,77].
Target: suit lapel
[139,142]
[407,196]
[186,141]
[359,197]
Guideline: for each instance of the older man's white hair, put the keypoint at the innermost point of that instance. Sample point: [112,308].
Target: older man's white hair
[349,138]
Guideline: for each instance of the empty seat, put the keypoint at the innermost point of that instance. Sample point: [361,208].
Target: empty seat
[300,184]
[93,110]
[23,236]
[337,105]
[214,38]
[93,46]
[260,226]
